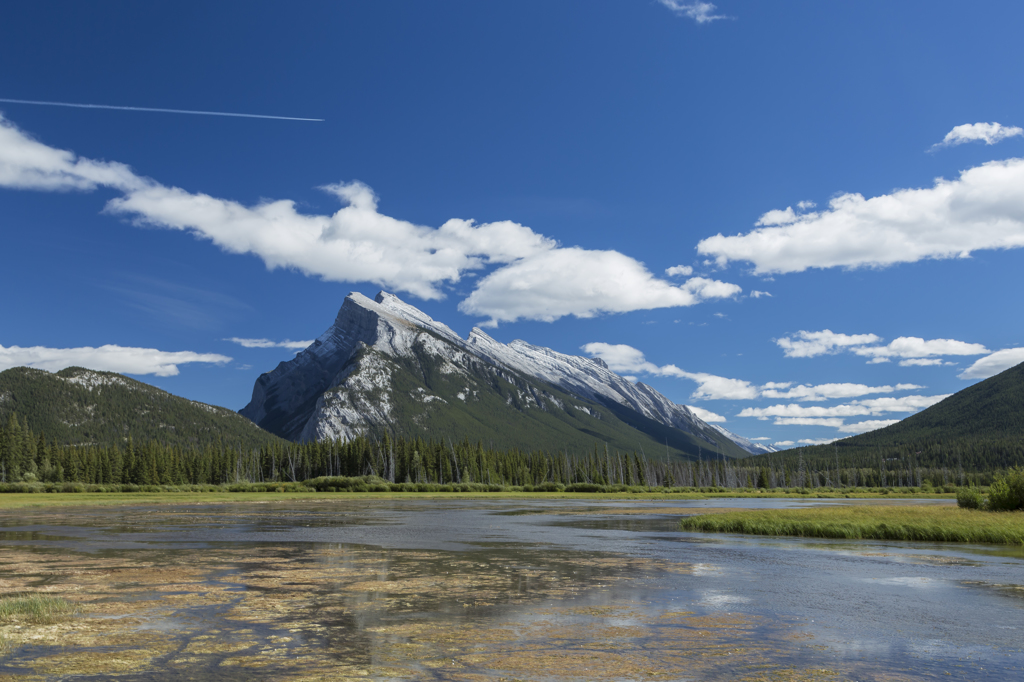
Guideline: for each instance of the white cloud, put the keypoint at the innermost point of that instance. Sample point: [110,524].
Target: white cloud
[707,415]
[622,358]
[679,271]
[760,438]
[626,359]
[989,133]
[821,392]
[806,205]
[355,244]
[584,283]
[916,347]
[701,12]
[982,209]
[805,344]
[916,362]
[107,358]
[857,408]
[993,364]
[804,412]
[913,350]
[868,425]
[783,443]
[818,441]
[28,164]
[778,217]
[759,294]
[534,279]
[267,343]
[834,422]
[908,403]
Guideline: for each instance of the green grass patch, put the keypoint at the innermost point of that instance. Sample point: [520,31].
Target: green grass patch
[933,523]
[37,609]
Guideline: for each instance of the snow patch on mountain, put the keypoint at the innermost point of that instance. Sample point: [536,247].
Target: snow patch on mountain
[342,383]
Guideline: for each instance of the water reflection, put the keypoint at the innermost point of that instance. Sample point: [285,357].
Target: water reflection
[479,590]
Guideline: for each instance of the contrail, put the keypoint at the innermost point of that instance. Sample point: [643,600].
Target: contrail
[162,111]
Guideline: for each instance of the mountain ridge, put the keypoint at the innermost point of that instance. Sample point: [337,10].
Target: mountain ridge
[383,362]
[83,407]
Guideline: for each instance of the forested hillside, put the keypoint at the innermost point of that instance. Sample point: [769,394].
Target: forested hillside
[84,407]
[980,428]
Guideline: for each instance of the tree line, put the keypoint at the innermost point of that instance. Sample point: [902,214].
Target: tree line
[28,457]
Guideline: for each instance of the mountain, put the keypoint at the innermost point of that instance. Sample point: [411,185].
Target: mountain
[387,366]
[82,406]
[991,409]
[979,428]
[750,446]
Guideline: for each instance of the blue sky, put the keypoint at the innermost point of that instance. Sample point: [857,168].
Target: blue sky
[618,179]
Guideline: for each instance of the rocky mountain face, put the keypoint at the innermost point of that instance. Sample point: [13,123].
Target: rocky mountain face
[386,366]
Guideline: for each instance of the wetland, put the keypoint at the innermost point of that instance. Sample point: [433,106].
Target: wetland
[492,589]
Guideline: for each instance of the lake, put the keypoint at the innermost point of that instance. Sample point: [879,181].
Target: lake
[495,589]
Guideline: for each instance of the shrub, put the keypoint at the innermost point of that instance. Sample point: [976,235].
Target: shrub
[969,498]
[1007,492]
[585,488]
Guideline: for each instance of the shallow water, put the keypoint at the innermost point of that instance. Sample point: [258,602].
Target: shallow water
[495,590]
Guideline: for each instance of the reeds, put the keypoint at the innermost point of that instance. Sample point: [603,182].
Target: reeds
[37,609]
[942,524]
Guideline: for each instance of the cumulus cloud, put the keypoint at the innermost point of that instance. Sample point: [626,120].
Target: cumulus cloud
[868,425]
[534,277]
[822,392]
[625,359]
[857,408]
[993,364]
[917,362]
[818,441]
[911,350]
[759,294]
[267,343]
[355,244]
[701,12]
[574,281]
[989,133]
[622,358]
[916,347]
[982,209]
[679,271]
[28,164]
[707,415]
[805,344]
[783,443]
[834,422]
[109,358]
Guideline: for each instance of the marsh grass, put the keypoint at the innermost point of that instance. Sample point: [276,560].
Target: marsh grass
[36,609]
[933,523]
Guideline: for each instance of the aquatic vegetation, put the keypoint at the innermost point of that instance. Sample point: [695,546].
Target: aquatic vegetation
[932,523]
[256,609]
[38,609]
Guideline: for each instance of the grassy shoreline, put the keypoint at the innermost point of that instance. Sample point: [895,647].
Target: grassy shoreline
[931,523]
[23,500]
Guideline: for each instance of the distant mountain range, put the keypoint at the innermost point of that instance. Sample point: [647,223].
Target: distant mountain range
[82,406]
[385,366]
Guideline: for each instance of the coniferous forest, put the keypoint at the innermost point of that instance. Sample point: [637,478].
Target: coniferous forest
[29,461]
